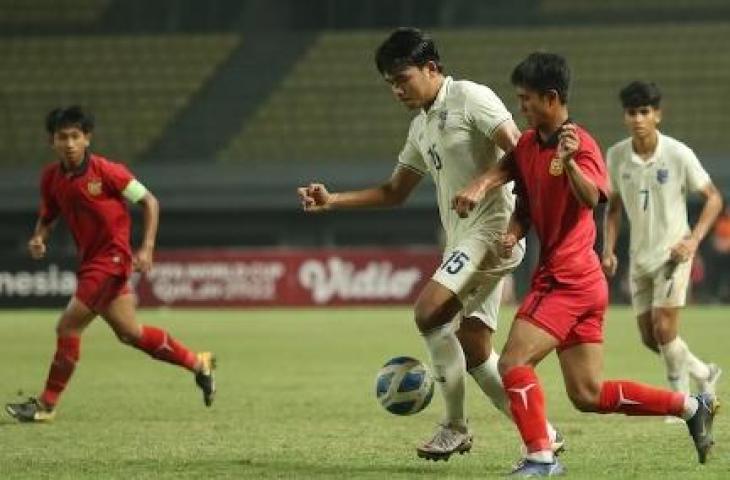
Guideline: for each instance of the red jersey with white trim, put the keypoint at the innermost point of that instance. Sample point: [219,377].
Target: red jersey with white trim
[90,200]
[564,226]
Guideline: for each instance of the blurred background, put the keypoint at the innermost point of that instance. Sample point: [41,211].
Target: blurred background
[222,108]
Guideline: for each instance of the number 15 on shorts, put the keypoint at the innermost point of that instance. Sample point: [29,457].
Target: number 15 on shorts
[455,262]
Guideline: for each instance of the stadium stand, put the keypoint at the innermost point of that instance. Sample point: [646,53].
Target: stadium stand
[133,84]
[333,105]
[47,12]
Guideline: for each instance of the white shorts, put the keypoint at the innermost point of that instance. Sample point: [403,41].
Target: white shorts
[473,270]
[661,288]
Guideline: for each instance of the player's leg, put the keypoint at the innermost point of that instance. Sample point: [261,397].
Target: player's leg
[475,335]
[670,296]
[645,325]
[526,346]
[72,323]
[435,310]
[582,366]
[120,314]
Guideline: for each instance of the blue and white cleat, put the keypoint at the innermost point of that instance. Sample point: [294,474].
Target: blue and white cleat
[700,425]
[529,468]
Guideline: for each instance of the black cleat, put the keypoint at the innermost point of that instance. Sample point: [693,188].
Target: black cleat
[205,378]
[700,425]
[32,410]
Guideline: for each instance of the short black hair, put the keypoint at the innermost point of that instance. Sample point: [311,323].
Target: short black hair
[640,94]
[543,72]
[406,47]
[71,116]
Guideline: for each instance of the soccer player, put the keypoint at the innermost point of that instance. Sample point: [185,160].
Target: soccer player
[89,192]
[461,129]
[651,175]
[560,178]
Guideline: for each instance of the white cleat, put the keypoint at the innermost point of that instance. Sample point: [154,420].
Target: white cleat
[710,385]
[446,441]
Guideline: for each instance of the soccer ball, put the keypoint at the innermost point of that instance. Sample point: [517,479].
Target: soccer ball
[404,386]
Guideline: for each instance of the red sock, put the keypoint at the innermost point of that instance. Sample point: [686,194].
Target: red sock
[527,403]
[160,345]
[633,398]
[64,363]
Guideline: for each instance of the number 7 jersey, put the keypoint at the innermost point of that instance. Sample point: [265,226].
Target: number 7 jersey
[453,142]
[654,194]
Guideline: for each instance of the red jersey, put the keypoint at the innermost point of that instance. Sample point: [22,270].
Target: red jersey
[564,226]
[90,200]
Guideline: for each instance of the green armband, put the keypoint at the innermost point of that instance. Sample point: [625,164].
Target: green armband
[135,191]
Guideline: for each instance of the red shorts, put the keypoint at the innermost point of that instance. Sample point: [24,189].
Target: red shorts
[572,314]
[97,289]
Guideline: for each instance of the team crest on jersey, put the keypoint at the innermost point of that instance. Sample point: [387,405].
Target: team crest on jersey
[556,167]
[443,115]
[94,186]
[662,175]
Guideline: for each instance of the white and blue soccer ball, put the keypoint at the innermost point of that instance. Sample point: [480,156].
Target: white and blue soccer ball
[404,386]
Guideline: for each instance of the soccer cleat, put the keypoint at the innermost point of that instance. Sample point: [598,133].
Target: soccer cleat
[205,379]
[32,410]
[700,425]
[708,386]
[529,468]
[446,441]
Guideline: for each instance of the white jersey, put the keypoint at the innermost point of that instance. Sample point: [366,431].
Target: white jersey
[654,193]
[453,141]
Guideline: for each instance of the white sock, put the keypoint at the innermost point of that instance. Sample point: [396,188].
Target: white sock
[690,407]
[543,456]
[489,380]
[674,354]
[697,368]
[447,359]
[487,377]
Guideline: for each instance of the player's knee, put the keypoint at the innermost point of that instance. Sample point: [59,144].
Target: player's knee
[430,317]
[127,336]
[507,362]
[649,342]
[585,399]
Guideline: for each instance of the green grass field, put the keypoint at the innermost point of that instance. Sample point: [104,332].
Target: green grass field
[296,400]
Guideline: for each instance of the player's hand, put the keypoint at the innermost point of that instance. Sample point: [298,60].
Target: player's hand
[37,247]
[142,259]
[609,263]
[506,244]
[684,250]
[314,197]
[467,199]
[568,142]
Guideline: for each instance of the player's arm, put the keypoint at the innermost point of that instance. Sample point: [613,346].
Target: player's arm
[47,217]
[687,247]
[316,198]
[611,229]
[505,137]
[519,225]
[582,187]
[37,242]
[135,192]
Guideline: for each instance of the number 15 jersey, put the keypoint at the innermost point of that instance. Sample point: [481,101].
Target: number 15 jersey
[453,141]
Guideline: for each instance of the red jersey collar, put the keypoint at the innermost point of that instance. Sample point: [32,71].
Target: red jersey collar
[80,170]
[553,139]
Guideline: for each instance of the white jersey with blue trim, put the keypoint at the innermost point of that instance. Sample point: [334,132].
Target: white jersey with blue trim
[654,193]
[453,142]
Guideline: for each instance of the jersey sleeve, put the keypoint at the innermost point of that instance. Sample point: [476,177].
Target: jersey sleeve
[117,177]
[485,109]
[696,176]
[48,210]
[410,157]
[590,162]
